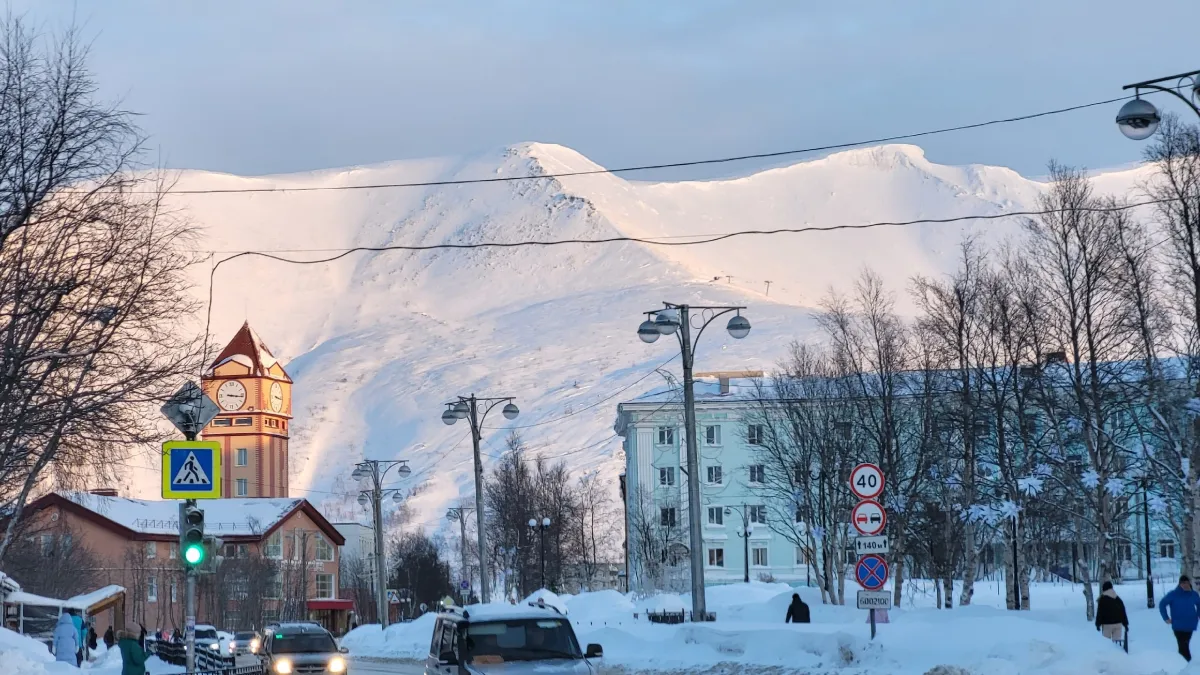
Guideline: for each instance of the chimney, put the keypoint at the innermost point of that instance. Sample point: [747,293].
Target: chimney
[724,380]
[104,492]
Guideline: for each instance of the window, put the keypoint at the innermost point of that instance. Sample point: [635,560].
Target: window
[174,591]
[666,435]
[66,543]
[151,549]
[324,550]
[758,473]
[716,515]
[799,516]
[798,475]
[229,551]
[242,456]
[1166,548]
[325,586]
[243,421]
[270,616]
[241,487]
[274,547]
[844,430]
[666,476]
[800,559]
[151,588]
[712,435]
[716,557]
[758,557]
[667,516]
[47,545]
[449,643]
[222,422]
[274,589]
[714,475]
[755,434]
[1124,552]
[758,515]
[173,551]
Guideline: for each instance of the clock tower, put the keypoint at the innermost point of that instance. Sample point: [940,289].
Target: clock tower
[255,397]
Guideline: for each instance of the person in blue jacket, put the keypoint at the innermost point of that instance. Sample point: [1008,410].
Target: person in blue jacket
[1181,610]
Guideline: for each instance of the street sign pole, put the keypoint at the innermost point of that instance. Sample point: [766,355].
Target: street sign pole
[872,623]
[190,610]
[870,519]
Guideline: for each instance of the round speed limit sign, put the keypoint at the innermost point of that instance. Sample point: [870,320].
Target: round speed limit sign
[866,481]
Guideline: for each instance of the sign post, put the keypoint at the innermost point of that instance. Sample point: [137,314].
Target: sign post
[870,520]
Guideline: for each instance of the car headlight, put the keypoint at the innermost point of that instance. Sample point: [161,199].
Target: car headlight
[282,666]
[254,646]
[216,646]
[337,665]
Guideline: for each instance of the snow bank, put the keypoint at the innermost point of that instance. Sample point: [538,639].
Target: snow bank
[21,655]
[548,597]
[400,640]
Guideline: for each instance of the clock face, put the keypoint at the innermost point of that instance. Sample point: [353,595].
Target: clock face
[276,397]
[231,395]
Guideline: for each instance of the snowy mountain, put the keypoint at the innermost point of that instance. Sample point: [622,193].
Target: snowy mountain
[377,342]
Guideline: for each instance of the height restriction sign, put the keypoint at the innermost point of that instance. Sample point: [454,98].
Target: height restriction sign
[866,481]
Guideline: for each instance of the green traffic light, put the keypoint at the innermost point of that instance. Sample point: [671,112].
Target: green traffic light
[193,554]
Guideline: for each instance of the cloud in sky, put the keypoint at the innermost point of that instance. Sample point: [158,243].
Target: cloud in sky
[294,85]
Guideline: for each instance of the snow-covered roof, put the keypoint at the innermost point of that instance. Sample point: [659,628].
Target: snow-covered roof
[80,602]
[230,517]
[8,584]
[499,611]
[97,596]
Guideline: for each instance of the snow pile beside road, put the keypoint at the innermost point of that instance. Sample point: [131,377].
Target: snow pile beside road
[21,655]
[401,640]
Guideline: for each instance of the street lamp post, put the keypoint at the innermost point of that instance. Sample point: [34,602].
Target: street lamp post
[1138,119]
[1146,525]
[467,407]
[677,320]
[459,514]
[744,533]
[541,526]
[372,472]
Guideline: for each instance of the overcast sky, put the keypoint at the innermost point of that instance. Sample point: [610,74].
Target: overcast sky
[266,87]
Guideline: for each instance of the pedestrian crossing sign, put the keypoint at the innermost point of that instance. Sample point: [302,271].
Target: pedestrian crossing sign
[191,470]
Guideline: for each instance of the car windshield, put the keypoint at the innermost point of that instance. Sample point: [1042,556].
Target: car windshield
[520,640]
[303,643]
[243,636]
[206,633]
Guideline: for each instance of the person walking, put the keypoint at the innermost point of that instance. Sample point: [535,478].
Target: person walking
[66,640]
[1111,619]
[133,656]
[797,611]
[80,634]
[109,639]
[1184,605]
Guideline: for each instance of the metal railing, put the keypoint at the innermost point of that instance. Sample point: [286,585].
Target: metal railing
[208,660]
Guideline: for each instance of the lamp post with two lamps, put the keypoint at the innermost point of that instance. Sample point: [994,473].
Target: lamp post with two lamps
[541,526]
[467,407]
[677,320]
[744,533]
[371,472]
[1138,119]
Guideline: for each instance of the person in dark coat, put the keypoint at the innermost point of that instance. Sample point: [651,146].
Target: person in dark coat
[1111,619]
[133,655]
[797,611]
[176,636]
[109,639]
[142,637]
[91,640]
[1184,606]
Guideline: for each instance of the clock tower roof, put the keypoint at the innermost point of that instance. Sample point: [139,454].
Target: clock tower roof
[248,349]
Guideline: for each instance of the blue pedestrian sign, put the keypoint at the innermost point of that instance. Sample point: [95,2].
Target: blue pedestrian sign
[191,470]
[871,572]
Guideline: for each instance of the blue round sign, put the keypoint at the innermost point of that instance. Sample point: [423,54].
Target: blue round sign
[464,585]
[871,572]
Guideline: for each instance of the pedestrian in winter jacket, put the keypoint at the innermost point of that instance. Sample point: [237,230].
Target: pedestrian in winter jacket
[1111,619]
[66,639]
[109,639]
[133,656]
[80,635]
[797,611]
[1183,604]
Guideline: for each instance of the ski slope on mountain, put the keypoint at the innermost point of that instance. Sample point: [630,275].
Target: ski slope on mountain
[377,342]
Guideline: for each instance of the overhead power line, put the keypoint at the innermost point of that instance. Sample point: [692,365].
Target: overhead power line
[650,167]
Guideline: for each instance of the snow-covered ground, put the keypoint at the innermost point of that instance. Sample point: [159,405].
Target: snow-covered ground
[20,655]
[749,636]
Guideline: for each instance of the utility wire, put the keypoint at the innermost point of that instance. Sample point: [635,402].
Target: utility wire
[650,167]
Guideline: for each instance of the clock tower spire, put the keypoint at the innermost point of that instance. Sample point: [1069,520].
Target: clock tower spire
[255,396]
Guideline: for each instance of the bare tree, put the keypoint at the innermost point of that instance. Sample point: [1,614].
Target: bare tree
[50,559]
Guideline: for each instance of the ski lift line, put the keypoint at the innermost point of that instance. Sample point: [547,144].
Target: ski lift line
[589,406]
[650,242]
[648,167]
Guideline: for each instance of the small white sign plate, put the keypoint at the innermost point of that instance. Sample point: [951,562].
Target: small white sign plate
[868,545]
[874,600]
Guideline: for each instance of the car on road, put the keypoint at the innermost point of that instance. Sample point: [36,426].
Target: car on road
[208,637]
[244,642]
[514,640]
[302,649]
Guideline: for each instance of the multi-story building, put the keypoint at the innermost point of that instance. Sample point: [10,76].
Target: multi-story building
[735,513]
[278,557]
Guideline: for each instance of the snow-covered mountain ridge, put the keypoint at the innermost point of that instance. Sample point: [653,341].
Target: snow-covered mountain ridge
[377,342]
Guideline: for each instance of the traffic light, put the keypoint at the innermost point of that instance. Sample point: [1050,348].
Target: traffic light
[191,534]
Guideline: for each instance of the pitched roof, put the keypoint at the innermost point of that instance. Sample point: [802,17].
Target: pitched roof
[226,518]
[248,349]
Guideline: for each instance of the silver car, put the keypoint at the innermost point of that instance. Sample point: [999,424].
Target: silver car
[486,639]
[302,649]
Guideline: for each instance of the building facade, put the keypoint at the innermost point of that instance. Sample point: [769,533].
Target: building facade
[278,558]
[255,396]
[736,531]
